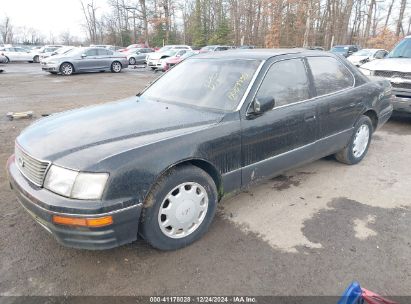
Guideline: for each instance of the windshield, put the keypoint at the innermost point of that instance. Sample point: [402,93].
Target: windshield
[339,49]
[209,83]
[164,48]
[364,53]
[402,50]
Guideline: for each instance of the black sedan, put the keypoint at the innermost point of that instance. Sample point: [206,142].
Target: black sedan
[156,165]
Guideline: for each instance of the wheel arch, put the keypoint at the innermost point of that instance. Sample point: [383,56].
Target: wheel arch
[205,165]
[74,69]
[372,114]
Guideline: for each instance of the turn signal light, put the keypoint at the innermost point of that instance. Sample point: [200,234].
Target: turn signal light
[84,222]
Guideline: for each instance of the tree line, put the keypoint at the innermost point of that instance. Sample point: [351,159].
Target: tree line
[262,23]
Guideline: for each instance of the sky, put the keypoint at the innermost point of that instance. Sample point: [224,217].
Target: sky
[47,16]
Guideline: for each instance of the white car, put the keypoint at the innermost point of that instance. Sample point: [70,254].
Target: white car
[44,52]
[157,60]
[366,55]
[170,48]
[59,51]
[16,54]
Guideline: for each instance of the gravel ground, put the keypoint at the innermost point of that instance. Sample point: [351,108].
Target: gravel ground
[310,231]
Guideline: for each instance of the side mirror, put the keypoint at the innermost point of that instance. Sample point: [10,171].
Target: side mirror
[261,105]
[83,55]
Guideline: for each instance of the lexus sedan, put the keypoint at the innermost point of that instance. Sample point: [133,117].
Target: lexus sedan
[156,165]
[89,59]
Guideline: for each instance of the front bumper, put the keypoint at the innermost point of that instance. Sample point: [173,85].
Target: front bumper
[402,100]
[41,205]
[50,67]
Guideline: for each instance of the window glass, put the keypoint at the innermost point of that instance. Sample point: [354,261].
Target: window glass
[219,84]
[103,52]
[286,82]
[329,74]
[91,52]
[401,50]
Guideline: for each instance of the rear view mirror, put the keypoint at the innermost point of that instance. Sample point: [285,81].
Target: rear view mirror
[261,105]
[83,55]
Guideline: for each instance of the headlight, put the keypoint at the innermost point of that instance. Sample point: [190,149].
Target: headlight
[74,184]
[366,72]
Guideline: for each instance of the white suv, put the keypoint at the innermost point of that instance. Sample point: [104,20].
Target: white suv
[396,67]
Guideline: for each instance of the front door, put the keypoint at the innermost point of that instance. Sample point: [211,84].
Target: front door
[285,136]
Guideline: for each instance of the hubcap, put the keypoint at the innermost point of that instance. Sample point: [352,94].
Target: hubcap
[132,61]
[116,67]
[67,69]
[183,210]
[361,140]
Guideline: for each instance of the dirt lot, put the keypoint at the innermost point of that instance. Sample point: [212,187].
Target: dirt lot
[310,231]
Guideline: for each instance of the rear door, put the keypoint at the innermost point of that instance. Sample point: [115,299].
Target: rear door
[338,100]
[285,136]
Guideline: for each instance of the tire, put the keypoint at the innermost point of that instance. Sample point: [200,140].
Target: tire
[116,67]
[66,69]
[132,61]
[359,142]
[188,210]
[7,59]
[36,59]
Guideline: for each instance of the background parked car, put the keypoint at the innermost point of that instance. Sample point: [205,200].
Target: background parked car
[133,46]
[172,61]
[156,60]
[85,60]
[44,52]
[396,67]
[16,54]
[60,51]
[345,50]
[366,55]
[168,48]
[138,56]
[214,48]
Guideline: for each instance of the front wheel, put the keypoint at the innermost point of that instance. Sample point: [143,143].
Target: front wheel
[7,60]
[36,59]
[359,143]
[116,67]
[66,69]
[179,209]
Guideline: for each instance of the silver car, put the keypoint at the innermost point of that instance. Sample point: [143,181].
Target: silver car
[89,59]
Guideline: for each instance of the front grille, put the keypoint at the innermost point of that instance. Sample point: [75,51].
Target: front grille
[33,169]
[403,85]
[390,74]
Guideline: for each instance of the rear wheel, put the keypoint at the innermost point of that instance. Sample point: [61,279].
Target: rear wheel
[7,60]
[359,143]
[116,67]
[67,69]
[132,61]
[36,59]
[180,208]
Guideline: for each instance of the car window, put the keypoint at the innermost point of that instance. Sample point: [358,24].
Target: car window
[286,81]
[401,50]
[103,52]
[92,52]
[9,49]
[219,83]
[330,75]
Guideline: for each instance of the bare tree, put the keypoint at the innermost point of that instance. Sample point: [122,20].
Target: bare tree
[6,30]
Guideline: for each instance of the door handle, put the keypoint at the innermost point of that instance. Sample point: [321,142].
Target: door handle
[309,117]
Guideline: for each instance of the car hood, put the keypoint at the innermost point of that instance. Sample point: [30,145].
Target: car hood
[100,131]
[156,56]
[389,64]
[356,58]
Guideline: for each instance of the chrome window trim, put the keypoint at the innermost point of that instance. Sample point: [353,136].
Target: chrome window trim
[247,91]
[309,99]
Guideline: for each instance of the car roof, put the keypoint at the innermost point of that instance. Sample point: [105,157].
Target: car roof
[258,54]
